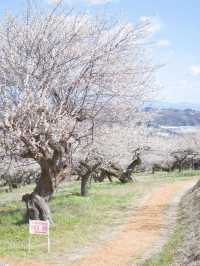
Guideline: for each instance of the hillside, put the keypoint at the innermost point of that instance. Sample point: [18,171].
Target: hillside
[187,253]
[115,222]
[171,117]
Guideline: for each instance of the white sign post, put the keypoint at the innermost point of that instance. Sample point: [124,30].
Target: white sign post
[37,227]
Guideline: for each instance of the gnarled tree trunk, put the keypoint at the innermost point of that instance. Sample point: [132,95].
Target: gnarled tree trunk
[126,176]
[37,208]
[115,170]
[46,184]
[54,169]
[37,202]
[85,172]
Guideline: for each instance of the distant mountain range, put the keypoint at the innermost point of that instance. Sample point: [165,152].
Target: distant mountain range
[169,105]
[175,114]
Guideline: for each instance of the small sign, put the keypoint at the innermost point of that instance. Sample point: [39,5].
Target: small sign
[37,227]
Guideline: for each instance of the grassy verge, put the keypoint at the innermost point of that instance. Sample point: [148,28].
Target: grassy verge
[166,256]
[77,220]
[175,175]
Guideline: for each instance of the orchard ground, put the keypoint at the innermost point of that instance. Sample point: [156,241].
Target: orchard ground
[83,225]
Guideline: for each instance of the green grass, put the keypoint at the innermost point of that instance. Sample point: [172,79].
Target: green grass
[77,220]
[165,258]
[176,175]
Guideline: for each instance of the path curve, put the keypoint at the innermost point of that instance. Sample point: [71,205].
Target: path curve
[141,232]
[139,235]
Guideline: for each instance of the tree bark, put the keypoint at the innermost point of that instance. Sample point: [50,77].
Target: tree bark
[36,208]
[45,185]
[55,166]
[86,171]
[84,185]
[126,175]
[36,202]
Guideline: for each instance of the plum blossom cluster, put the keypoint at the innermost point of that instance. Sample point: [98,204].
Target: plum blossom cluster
[64,80]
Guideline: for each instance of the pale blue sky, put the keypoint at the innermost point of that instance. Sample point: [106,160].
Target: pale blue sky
[176,39]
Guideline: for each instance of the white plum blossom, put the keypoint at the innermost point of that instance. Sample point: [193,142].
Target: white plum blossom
[62,76]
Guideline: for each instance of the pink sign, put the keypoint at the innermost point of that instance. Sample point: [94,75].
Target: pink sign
[37,227]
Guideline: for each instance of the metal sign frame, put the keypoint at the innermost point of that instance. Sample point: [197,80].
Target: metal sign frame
[38,224]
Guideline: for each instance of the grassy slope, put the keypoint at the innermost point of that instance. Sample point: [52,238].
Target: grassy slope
[78,220]
[165,258]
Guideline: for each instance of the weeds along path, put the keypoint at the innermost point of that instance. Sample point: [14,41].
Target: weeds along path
[141,232]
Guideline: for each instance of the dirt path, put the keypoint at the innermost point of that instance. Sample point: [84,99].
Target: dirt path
[141,232]
[20,262]
[139,236]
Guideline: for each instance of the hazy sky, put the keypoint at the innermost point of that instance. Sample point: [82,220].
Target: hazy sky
[176,39]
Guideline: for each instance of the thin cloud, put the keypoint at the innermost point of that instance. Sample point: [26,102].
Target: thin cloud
[100,2]
[90,2]
[195,70]
[164,43]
